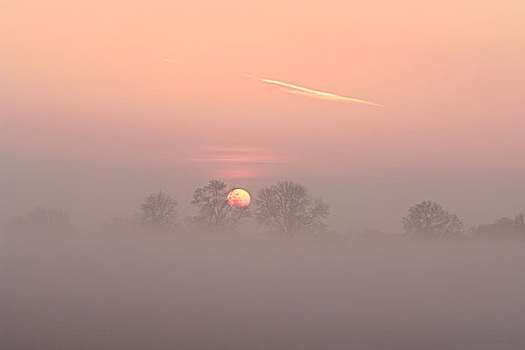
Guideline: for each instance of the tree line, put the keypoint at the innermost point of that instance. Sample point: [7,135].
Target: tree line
[285,207]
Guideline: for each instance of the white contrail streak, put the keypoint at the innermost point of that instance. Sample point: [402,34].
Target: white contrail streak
[167,60]
[314,93]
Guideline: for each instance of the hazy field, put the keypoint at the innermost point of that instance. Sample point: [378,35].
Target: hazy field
[135,291]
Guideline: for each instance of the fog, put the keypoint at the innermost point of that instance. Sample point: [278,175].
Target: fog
[189,290]
[393,225]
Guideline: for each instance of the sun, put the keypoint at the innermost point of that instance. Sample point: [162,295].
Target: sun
[239,198]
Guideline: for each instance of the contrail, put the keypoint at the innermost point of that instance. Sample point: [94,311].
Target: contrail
[166,60]
[314,93]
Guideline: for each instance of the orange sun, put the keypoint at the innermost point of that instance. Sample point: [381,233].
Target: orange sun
[239,198]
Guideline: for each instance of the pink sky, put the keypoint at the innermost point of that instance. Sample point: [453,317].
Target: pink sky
[82,83]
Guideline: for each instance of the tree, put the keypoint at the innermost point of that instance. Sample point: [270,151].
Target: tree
[503,227]
[430,219]
[213,210]
[289,208]
[158,210]
[519,221]
[42,218]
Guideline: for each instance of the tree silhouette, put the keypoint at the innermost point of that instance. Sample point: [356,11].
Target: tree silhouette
[213,210]
[158,210]
[519,221]
[430,219]
[42,218]
[503,227]
[289,208]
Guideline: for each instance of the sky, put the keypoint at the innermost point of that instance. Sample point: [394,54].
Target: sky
[102,102]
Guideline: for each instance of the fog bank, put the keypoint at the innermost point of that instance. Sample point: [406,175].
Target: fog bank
[95,290]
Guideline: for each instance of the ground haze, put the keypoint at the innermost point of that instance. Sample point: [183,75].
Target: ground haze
[94,290]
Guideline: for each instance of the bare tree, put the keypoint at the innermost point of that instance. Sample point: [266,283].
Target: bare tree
[42,218]
[158,210]
[519,221]
[289,208]
[213,210]
[503,227]
[430,219]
